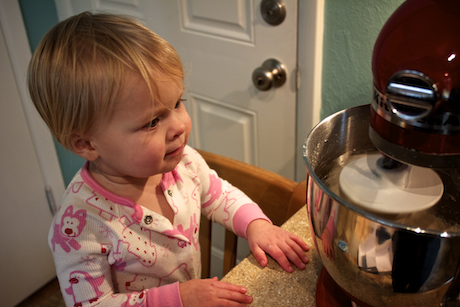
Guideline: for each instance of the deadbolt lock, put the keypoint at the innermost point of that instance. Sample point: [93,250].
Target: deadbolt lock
[273,11]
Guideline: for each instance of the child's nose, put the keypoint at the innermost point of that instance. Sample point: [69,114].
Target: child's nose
[177,127]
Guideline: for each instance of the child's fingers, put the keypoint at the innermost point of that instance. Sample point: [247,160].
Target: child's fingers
[260,256]
[282,246]
[288,252]
[228,286]
[234,296]
[212,292]
[296,255]
[281,257]
[300,242]
[299,251]
[232,293]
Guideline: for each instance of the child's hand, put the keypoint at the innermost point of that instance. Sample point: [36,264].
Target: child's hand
[283,246]
[211,292]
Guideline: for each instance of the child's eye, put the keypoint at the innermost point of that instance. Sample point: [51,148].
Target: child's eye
[179,103]
[152,124]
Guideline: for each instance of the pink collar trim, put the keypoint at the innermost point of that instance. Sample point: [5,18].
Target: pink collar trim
[123,201]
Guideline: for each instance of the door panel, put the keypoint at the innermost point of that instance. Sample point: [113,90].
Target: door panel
[225,128]
[221,43]
[227,19]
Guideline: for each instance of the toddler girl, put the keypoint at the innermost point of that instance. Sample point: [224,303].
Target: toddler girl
[126,232]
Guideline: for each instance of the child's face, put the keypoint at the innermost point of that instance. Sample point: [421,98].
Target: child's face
[136,142]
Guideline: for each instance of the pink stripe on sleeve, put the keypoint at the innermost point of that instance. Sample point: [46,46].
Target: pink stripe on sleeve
[244,216]
[165,296]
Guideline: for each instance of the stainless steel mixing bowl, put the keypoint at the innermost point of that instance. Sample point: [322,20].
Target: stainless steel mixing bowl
[392,260]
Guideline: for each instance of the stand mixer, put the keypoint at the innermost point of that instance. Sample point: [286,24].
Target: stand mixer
[383,193]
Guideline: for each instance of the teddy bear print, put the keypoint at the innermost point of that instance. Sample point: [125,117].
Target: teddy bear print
[135,299]
[84,288]
[70,227]
[137,284]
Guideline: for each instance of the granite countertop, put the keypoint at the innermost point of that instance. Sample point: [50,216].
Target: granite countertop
[272,286]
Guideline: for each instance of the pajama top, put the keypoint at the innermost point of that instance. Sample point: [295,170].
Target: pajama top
[110,251]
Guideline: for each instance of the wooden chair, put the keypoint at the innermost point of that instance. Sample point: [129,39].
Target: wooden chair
[277,196]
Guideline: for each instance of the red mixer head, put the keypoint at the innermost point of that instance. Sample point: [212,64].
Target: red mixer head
[415,113]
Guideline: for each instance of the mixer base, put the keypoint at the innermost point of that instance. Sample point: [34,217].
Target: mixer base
[329,294]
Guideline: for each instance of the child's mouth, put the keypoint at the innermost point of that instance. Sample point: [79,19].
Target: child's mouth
[175,152]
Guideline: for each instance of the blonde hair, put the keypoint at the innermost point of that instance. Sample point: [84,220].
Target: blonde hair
[79,66]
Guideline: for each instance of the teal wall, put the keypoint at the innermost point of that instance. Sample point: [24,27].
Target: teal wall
[350,30]
[40,16]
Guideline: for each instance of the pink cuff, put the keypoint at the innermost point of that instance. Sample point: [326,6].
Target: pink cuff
[165,296]
[244,216]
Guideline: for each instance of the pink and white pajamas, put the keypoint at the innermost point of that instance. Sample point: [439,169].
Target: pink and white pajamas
[110,251]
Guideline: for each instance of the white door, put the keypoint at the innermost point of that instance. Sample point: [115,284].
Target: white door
[221,43]
[28,165]
[25,260]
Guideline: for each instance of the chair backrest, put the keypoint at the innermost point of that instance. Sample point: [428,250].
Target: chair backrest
[277,196]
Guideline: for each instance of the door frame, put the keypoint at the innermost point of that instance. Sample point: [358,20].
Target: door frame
[309,82]
[18,47]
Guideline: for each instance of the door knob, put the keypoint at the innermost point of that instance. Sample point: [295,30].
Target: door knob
[271,74]
[273,11]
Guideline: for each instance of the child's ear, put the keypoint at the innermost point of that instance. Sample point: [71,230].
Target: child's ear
[82,147]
